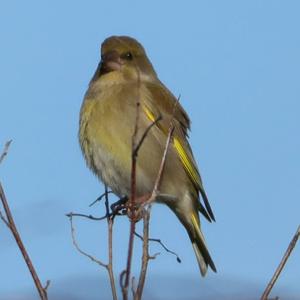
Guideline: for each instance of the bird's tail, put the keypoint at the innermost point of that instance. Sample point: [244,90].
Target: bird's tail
[203,257]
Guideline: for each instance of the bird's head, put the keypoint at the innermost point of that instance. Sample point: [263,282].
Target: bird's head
[125,55]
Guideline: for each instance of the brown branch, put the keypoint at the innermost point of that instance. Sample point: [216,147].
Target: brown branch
[5,150]
[100,198]
[110,221]
[91,217]
[161,168]
[147,211]
[145,256]
[11,224]
[146,216]
[132,211]
[159,241]
[140,143]
[131,207]
[133,286]
[4,219]
[92,258]
[155,191]
[281,265]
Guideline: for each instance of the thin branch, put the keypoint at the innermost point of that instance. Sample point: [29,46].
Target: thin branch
[4,219]
[70,215]
[42,291]
[281,265]
[133,286]
[92,258]
[147,211]
[155,191]
[109,266]
[100,198]
[162,166]
[138,146]
[162,245]
[145,256]
[5,150]
[116,210]
[110,223]
[47,285]
[131,208]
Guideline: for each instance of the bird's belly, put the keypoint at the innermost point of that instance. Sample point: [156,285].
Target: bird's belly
[108,150]
[111,172]
[114,168]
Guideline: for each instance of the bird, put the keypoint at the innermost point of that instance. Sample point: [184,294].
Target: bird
[106,126]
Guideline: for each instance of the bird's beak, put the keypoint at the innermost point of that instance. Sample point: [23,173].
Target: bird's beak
[110,62]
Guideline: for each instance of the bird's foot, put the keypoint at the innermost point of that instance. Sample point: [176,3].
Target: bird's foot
[135,211]
[119,207]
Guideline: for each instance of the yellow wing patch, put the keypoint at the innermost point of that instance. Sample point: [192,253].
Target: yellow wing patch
[149,114]
[195,222]
[177,144]
[188,165]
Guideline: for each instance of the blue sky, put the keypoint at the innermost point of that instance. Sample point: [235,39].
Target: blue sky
[236,65]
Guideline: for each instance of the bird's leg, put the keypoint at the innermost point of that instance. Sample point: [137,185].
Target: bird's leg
[136,213]
[119,207]
[123,207]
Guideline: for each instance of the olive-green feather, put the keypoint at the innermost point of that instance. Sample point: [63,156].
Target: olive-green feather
[169,109]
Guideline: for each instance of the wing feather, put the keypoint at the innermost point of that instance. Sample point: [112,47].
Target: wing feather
[164,107]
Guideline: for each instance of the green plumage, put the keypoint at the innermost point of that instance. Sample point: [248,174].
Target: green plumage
[107,121]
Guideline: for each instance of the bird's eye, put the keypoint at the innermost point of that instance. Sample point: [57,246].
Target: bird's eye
[127,56]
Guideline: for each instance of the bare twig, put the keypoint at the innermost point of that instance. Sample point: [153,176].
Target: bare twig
[71,214]
[47,285]
[110,223]
[147,211]
[162,245]
[100,198]
[110,220]
[11,224]
[281,265]
[133,286]
[145,256]
[116,210]
[161,168]
[155,191]
[131,208]
[140,143]
[92,258]
[4,219]
[5,150]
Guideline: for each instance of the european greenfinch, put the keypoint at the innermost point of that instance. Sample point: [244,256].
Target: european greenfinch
[107,123]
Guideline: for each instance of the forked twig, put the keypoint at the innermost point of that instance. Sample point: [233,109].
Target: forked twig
[281,265]
[4,220]
[145,256]
[100,198]
[155,190]
[9,221]
[110,223]
[5,150]
[131,209]
[91,217]
[109,265]
[91,257]
[159,241]
[141,141]
[146,216]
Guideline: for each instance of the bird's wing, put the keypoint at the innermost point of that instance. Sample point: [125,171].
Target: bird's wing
[161,102]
